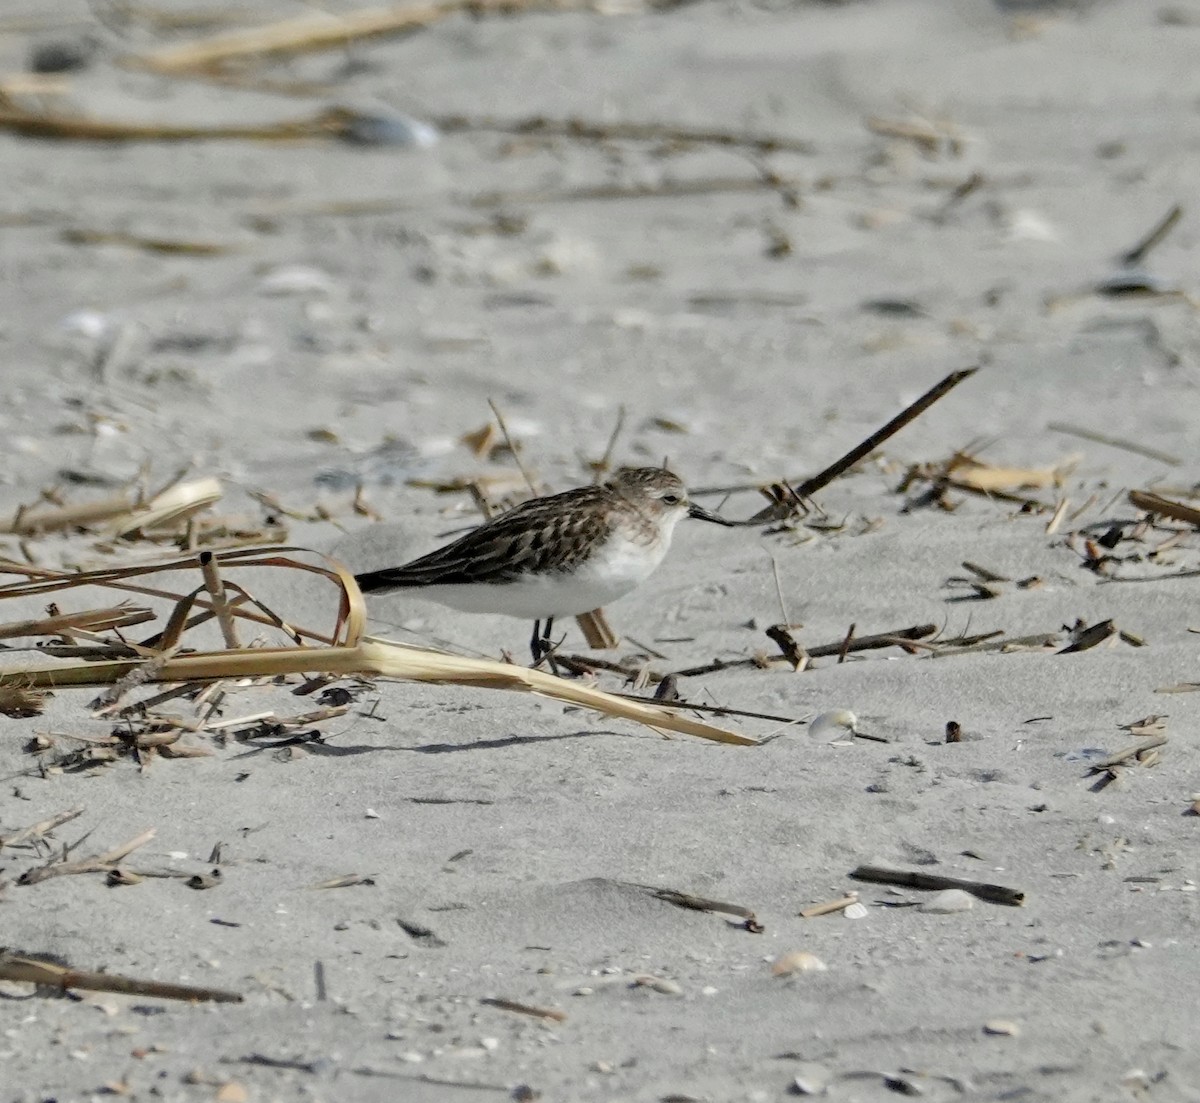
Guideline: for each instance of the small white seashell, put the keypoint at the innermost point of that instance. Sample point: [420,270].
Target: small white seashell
[798,961]
[1028,225]
[296,279]
[855,911]
[371,814]
[833,725]
[1004,1027]
[811,1079]
[90,324]
[656,984]
[949,901]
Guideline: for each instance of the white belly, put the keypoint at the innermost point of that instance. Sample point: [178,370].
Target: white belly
[615,569]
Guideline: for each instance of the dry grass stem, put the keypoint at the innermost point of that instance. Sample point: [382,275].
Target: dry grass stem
[1133,751]
[98,863]
[216,590]
[121,514]
[512,448]
[551,1013]
[830,906]
[597,631]
[786,505]
[322,31]
[1115,442]
[1136,255]
[42,827]
[587,130]
[346,652]
[86,620]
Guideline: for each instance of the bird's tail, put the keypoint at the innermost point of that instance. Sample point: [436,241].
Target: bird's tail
[375,582]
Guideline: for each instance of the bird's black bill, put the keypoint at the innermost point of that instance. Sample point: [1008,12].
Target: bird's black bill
[702,514]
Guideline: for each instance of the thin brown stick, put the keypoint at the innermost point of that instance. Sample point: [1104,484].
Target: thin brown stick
[321,31]
[665,189]
[900,638]
[42,827]
[1114,442]
[216,590]
[512,447]
[810,486]
[805,488]
[844,649]
[47,974]
[92,620]
[829,907]
[551,1013]
[586,130]
[601,468]
[1117,758]
[335,123]
[698,903]
[597,631]
[99,863]
[1141,250]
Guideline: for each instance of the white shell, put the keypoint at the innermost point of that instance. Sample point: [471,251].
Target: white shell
[811,1079]
[1005,1027]
[833,725]
[797,961]
[949,901]
[855,911]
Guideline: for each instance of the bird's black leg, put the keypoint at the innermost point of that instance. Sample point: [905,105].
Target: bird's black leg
[542,646]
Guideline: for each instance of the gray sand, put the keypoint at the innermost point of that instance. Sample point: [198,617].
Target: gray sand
[515,831]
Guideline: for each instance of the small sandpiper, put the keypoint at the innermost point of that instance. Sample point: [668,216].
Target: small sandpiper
[556,556]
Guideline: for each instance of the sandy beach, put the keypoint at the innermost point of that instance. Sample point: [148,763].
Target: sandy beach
[748,235]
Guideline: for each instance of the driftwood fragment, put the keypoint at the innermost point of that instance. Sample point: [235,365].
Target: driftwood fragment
[915,879]
[98,863]
[49,974]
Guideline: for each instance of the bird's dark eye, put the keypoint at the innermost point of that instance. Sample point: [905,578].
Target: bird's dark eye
[671,499]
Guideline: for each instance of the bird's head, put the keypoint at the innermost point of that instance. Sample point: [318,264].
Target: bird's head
[661,494]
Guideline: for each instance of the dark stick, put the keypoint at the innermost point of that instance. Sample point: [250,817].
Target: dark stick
[1164,226]
[995,894]
[587,130]
[52,975]
[870,643]
[858,643]
[808,487]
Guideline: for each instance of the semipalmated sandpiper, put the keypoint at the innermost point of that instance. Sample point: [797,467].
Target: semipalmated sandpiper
[556,556]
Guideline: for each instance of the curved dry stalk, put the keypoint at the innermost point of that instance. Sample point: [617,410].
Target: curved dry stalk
[378,658]
[351,617]
[349,652]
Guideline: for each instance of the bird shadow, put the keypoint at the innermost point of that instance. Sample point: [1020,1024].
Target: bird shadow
[313,747]
[506,741]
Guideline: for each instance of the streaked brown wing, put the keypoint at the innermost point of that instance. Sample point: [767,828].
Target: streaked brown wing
[542,535]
